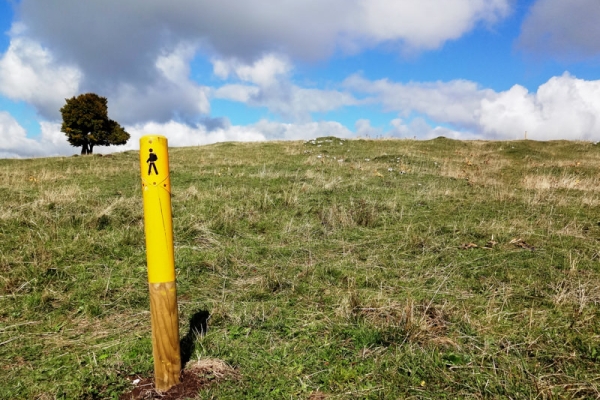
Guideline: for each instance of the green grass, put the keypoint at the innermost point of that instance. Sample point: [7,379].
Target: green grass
[334,267]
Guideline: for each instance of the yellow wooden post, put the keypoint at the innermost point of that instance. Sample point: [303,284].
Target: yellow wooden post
[158,227]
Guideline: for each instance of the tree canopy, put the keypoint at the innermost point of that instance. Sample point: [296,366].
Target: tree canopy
[86,123]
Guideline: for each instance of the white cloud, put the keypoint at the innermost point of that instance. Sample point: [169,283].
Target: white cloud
[14,142]
[564,30]
[263,72]
[52,142]
[237,92]
[115,38]
[562,108]
[180,134]
[170,95]
[13,138]
[298,103]
[426,24]
[286,131]
[175,65]
[419,128]
[286,99]
[138,53]
[509,114]
[456,102]
[565,107]
[266,84]
[363,128]
[28,72]
[31,73]
[159,102]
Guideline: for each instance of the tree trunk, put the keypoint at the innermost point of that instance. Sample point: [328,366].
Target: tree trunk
[86,148]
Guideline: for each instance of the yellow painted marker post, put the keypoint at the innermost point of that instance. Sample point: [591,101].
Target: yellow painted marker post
[158,227]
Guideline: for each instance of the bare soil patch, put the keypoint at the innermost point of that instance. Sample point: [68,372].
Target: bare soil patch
[194,377]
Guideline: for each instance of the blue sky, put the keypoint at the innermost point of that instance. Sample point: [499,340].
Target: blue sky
[203,72]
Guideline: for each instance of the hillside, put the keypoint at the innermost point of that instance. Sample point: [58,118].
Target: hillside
[330,269]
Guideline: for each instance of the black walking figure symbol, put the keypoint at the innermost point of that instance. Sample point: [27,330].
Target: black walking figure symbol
[151,164]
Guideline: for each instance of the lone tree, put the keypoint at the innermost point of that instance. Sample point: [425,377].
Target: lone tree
[86,123]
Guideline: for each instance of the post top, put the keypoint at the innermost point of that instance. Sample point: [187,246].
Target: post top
[152,136]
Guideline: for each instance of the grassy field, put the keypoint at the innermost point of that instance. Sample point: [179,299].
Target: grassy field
[371,269]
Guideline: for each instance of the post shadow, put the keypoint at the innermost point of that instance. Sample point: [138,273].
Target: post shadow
[198,326]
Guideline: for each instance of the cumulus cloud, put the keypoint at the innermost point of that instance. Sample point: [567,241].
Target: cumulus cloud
[180,134]
[30,73]
[265,83]
[118,38]
[138,53]
[419,128]
[237,92]
[304,131]
[13,138]
[265,71]
[564,30]
[565,107]
[286,99]
[426,24]
[54,141]
[298,103]
[363,128]
[170,95]
[14,142]
[456,102]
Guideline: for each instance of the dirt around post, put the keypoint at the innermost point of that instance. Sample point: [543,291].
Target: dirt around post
[194,377]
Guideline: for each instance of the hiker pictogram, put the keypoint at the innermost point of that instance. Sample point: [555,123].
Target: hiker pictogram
[151,159]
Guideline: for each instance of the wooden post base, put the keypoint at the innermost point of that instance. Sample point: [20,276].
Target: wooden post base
[165,335]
